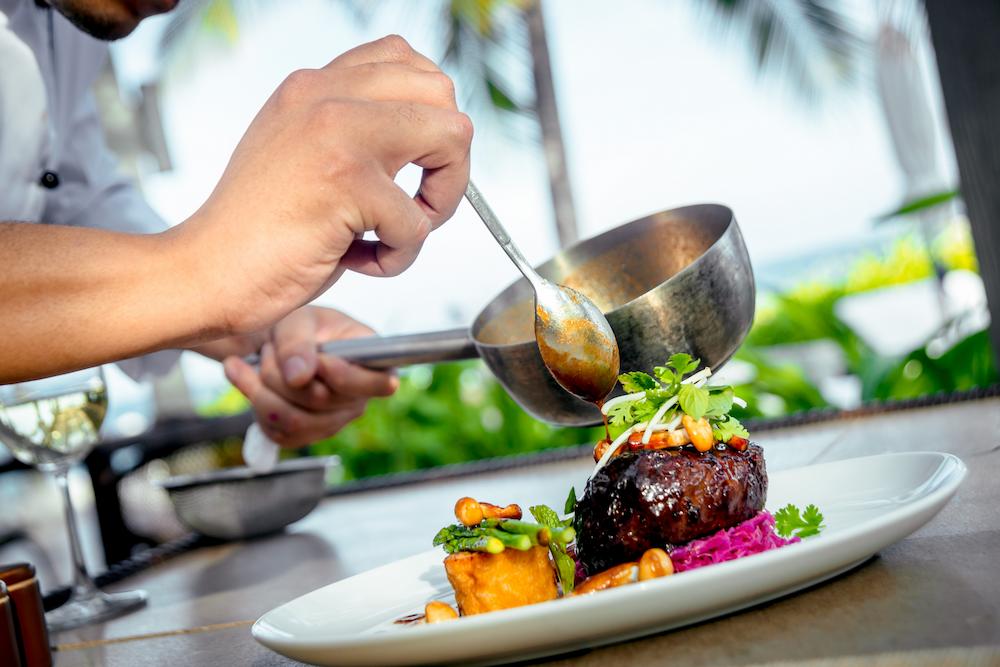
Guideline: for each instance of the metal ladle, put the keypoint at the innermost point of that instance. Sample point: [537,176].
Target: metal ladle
[574,338]
[678,280]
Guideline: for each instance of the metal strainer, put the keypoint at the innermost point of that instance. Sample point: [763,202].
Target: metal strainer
[237,503]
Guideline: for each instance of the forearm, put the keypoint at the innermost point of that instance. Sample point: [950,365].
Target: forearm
[74,297]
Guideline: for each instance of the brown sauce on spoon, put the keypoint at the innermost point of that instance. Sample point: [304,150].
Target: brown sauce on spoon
[585,375]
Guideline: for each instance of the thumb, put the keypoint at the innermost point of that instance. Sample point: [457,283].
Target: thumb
[294,340]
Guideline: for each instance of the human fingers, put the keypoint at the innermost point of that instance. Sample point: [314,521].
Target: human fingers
[438,140]
[295,338]
[401,226]
[347,379]
[336,383]
[394,82]
[388,49]
[314,396]
[334,325]
[290,426]
[441,190]
[285,423]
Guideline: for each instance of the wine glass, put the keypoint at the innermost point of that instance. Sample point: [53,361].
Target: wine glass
[52,424]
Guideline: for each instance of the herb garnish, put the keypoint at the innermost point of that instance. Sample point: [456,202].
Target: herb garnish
[570,506]
[676,382]
[789,521]
[565,565]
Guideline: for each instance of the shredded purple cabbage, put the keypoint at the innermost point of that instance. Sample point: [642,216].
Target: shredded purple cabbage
[750,537]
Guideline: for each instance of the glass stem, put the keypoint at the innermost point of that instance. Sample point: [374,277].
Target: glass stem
[82,583]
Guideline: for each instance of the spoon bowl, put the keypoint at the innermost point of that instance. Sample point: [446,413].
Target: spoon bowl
[576,341]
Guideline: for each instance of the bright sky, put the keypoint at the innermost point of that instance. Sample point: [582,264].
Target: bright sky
[657,112]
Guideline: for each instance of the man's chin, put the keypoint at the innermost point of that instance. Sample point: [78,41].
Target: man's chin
[110,19]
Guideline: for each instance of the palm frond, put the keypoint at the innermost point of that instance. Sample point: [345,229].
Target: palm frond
[182,20]
[222,18]
[485,42]
[812,44]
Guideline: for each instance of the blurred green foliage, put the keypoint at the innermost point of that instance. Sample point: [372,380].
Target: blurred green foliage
[447,413]
[457,412]
[807,314]
[441,414]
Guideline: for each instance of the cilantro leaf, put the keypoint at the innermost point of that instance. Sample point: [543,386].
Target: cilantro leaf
[644,410]
[720,401]
[570,501]
[620,414]
[637,381]
[565,565]
[683,363]
[693,400]
[724,429]
[790,521]
[814,518]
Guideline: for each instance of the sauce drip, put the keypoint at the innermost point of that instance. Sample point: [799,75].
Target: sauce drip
[600,406]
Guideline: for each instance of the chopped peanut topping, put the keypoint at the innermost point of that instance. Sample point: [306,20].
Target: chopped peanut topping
[655,563]
[437,611]
[619,575]
[738,443]
[600,448]
[700,432]
[471,512]
[659,440]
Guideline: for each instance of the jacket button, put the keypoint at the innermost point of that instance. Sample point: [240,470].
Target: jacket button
[49,180]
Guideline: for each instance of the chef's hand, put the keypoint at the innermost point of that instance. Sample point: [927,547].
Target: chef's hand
[299,396]
[315,171]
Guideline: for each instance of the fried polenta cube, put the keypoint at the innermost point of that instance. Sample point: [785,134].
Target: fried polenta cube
[487,582]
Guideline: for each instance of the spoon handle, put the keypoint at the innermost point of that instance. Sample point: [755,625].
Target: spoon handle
[492,223]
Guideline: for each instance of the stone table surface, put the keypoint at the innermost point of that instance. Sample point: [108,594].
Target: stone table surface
[930,599]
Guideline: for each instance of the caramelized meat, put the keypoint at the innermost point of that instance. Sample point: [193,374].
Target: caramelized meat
[487,582]
[661,498]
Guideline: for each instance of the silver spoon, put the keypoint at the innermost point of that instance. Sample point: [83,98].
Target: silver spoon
[577,344]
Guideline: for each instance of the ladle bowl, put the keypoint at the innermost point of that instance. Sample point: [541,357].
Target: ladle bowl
[675,281]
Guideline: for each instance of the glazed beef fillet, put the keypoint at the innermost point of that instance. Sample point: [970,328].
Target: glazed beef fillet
[663,498]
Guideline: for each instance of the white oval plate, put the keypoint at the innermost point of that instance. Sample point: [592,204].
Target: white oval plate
[868,504]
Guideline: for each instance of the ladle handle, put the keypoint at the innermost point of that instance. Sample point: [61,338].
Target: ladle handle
[492,223]
[392,351]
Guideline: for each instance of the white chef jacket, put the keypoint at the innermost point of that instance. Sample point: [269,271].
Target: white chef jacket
[50,130]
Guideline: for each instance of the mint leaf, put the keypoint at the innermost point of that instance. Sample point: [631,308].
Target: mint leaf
[570,501]
[720,401]
[683,363]
[666,376]
[544,515]
[637,381]
[693,400]
[565,565]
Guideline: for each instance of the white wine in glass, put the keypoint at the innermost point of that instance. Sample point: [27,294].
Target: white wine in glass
[52,424]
